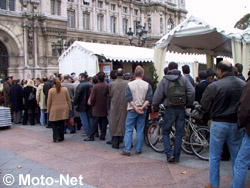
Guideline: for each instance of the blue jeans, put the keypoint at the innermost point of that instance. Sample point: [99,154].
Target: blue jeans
[42,117]
[219,133]
[241,164]
[173,114]
[133,119]
[86,122]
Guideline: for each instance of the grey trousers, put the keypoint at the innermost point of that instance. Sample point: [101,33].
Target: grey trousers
[17,116]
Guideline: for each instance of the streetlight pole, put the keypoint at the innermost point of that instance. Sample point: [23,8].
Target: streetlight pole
[140,32]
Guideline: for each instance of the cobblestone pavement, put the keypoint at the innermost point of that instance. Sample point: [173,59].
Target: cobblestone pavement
[96,163]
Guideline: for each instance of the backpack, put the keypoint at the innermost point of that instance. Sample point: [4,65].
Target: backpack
[176,93]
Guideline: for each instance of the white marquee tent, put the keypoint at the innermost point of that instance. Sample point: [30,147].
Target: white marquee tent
[194,36]
[83,56]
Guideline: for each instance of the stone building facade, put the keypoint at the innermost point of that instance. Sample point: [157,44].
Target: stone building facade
[31,31]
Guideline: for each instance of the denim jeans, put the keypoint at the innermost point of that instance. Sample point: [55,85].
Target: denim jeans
[173,114]
[86,122]
[42,117]
[219,133]
[134,119]
[241,164]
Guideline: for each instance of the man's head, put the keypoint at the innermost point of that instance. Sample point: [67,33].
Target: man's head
[100,76]
[139,72]
[39,81]
[202,75]
[165,70]
[45,79]
[52,77]
[239,67]
[67,77]
[83,76]
[9,79]
[113,74]
[185,69]
[119,72]
[224,67]
[172,65]
[73,74]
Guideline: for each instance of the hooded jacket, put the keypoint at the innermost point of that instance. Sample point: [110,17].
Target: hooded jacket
[160,96]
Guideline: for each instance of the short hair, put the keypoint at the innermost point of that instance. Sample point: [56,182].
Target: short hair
[139,71]
[52,77]
[225,66]
[239,67]
[185,69]
[39,80]
[45,79]
[172,65]
[113,74]
[165,70]
[101,76]
[83,75]
[66,76]
[203,75]
[94,80]
[72,73]
[120,72]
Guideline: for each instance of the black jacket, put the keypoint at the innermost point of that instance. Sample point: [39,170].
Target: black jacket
[16,97]
[199,89]
[47,85]
[26,93]
[222,98]
[82,95]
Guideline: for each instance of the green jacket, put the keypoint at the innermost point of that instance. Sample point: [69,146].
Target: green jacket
[40,97]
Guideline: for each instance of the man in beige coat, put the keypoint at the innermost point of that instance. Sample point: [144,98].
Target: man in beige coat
[40,98]
[118,108]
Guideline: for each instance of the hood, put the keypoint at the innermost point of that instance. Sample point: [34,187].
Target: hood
[173,74]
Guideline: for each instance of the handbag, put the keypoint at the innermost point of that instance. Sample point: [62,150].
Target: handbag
[31,96]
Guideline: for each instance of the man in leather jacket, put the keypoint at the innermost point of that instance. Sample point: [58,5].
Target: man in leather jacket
[221,99]
[81,101]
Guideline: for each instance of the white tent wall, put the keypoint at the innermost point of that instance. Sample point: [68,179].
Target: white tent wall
[78,60]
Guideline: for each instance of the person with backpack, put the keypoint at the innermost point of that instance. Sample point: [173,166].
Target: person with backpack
[174,92]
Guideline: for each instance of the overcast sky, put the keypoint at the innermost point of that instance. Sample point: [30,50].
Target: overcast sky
[221,13]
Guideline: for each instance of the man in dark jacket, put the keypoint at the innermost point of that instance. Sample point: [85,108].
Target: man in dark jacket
[47,85]
[16,98]
[239,68]
[200,88]
[221,99]
[186,73]
[81,101]
[6,91]
[99,108]
[174,113]
[243,158]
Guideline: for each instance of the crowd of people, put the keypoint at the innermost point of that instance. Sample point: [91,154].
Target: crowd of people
[71,102]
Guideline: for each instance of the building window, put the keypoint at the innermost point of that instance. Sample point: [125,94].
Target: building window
[85,20]
[135,12]
[100,22]
[170,24]
[100,4]
[112,24]
[85,2]
[7,5]
[71,18]
[125,26]
[55,7]
[125,9]
[135,24]
[112,7]
[149,25]
[71,1]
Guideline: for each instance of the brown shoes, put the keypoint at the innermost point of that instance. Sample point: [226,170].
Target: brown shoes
[138,153]
[209,186]
[125,153]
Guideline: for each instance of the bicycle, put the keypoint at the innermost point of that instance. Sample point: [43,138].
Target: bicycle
[195,139]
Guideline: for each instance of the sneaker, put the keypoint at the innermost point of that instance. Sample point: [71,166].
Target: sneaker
[170,159]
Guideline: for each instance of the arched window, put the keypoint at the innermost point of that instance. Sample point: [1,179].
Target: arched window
[3,61]
[170,25]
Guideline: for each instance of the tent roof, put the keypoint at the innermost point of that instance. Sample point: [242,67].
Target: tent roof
[196,36]
[114,52]
[129,53]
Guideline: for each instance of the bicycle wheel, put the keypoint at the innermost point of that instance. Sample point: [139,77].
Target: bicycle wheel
[199,140]
[185,146]
[154,136]
[146,135]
